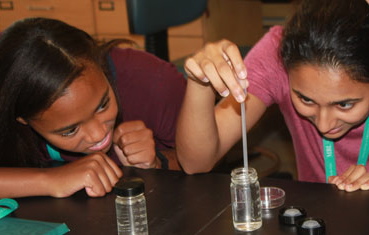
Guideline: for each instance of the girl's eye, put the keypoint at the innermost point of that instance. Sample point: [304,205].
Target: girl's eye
[69,132]
[104,105]
[345,105]
[306,100]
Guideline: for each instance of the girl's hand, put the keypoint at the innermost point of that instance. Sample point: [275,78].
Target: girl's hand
[135,145]
[221,64]
[354,178]
[96,173]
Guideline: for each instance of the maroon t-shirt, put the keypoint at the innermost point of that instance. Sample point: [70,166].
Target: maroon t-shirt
[149,89]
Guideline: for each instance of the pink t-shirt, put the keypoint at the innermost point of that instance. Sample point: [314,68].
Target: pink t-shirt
[269,82]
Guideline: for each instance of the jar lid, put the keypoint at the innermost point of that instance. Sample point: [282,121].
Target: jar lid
[310,226]
[290,215]
[129,186]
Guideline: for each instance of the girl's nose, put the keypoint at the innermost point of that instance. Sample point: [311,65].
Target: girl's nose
[324,121]
[95,131]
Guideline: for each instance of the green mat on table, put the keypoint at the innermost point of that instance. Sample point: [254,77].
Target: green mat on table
[16,226]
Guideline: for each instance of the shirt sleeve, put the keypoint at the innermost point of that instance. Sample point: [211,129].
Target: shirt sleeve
[150,90]
[266,74]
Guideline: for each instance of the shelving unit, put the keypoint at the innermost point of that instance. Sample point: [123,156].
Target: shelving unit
[236,20]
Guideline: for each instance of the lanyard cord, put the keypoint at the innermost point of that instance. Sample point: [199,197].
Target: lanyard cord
[330,160]
[7,206]
[53,153]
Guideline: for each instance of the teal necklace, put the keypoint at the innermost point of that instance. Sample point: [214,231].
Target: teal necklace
[330,160]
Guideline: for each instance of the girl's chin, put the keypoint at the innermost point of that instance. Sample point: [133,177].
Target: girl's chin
[337,135]
[332,137]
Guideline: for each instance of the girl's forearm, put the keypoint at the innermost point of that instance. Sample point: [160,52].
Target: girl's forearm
[22,182]
[197,137]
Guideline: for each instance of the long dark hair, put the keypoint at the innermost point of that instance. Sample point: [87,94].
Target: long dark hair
[329,33]
[39,59]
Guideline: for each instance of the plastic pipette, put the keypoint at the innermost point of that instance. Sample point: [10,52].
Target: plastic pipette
[244,136]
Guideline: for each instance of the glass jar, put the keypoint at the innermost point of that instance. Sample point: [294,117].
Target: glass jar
[130,205]
[245,197]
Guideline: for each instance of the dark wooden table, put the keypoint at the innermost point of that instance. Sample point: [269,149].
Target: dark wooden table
[200,204]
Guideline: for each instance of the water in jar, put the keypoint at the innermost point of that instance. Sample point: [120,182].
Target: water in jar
[131,216]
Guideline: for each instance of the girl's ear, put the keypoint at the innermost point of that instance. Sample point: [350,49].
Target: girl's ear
[21,120]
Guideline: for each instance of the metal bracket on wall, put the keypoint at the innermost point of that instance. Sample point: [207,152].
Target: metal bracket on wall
[106,5]
[6,5]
